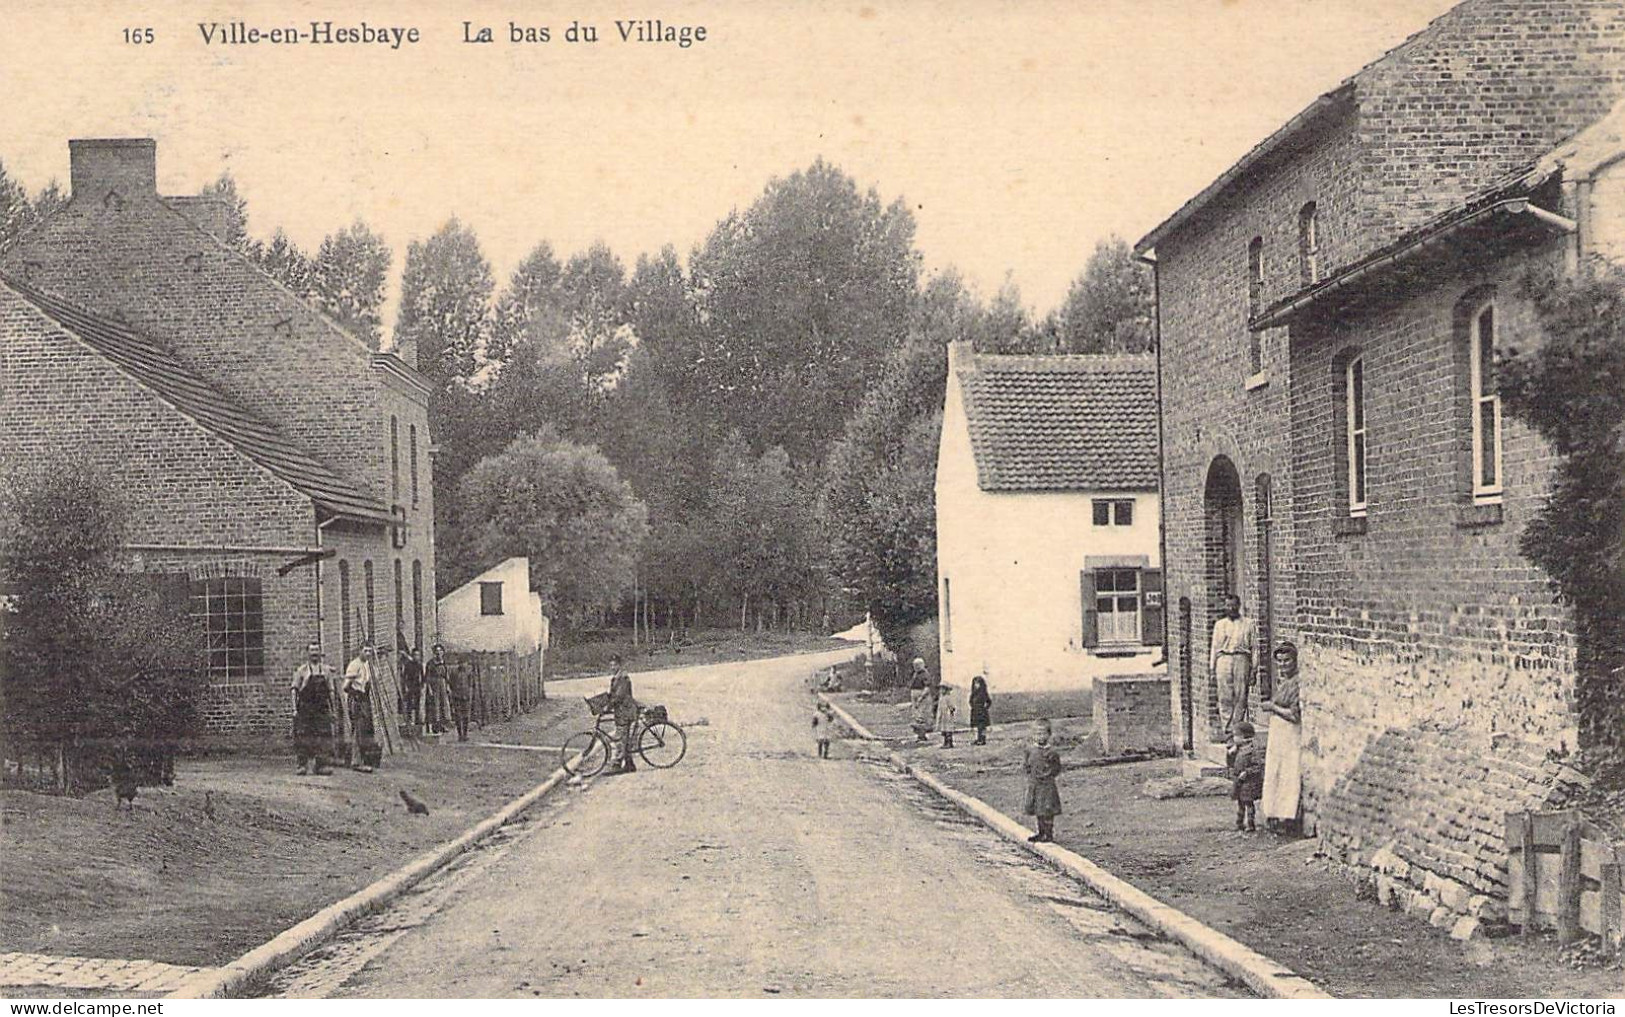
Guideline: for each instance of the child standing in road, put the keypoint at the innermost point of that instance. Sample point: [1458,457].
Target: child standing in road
[947,711]
[823,724]
[1043,765]
[1247,775]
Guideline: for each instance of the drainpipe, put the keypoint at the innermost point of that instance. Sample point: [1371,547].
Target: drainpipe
[1150,258]
[320,618]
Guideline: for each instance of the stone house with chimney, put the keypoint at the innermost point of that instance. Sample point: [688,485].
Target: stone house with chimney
[1331,308]
[265,452]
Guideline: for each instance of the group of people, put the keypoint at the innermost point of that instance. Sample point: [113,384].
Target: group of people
[1266,776]
[436,694]
[933,708]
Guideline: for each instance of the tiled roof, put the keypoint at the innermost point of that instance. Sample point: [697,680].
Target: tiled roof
[163,373]
[1072,423]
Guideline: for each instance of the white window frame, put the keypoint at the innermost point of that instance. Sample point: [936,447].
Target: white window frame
[1119,598]
[1358,444]
[1484,492]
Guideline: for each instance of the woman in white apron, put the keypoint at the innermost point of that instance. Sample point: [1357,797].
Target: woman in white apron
[1282,773]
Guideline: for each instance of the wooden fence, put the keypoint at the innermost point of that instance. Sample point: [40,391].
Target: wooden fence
[505,684]
[1564,873]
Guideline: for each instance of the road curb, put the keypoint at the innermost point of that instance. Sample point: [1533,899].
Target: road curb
[294,943]
[1264,976]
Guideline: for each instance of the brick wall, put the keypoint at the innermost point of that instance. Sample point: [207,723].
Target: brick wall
[1214,404]
[1491,85]
[1132,714]
[1429,618]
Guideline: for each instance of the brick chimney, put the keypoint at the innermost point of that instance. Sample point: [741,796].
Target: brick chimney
[126,165]
[211,214]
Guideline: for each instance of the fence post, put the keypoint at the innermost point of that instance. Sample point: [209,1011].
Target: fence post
[1612,934]
[1531,880]
[1568,886]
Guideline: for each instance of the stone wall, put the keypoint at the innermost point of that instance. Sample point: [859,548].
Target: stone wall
[1132,714]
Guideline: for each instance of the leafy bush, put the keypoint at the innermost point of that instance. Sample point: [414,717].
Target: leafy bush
[97,666]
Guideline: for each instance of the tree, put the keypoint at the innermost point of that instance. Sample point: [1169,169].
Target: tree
[283,261]
[1571,390]
[564,506]
[1110,307]
[445,304]
[349,275]
[95,665]
[879,499]
[800,297]
[15,211]
[236,236]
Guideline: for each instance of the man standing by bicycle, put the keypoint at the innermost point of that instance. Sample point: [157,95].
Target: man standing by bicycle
[625,709]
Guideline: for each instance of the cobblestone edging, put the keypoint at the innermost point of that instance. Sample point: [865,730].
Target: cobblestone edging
[294,943]
[91,974]
[1264,976]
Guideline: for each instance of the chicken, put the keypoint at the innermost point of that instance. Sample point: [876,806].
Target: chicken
[413,805]
[124,785]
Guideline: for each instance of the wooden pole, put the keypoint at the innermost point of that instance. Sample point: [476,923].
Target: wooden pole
[1612,933]
[1531,879]
[1568,887]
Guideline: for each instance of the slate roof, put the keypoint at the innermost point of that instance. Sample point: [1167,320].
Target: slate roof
[1066,423]
[162,372]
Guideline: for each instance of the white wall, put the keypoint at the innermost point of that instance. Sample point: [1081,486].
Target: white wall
[1013,563]
[521,627]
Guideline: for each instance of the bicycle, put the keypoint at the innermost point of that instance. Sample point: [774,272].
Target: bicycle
[661,743]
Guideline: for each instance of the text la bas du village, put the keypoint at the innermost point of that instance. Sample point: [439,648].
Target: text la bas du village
[648,30]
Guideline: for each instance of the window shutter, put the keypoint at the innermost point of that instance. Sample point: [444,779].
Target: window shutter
[1151,610]
[1091,627]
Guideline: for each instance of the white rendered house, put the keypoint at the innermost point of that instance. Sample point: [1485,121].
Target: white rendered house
[1049,570]
[495,612]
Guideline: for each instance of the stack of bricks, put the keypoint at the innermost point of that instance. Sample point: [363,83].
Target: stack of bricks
[1133,714]
[1422,817]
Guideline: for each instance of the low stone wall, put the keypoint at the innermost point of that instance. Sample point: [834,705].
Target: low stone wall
[1422,817]
[1133,714]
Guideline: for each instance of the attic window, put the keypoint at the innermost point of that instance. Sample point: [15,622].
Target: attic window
[490,598]
[1113,511]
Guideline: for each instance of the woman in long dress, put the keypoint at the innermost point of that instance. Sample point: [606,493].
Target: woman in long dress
[1282,772]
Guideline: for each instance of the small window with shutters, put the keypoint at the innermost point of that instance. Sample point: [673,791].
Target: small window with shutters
[1122,607]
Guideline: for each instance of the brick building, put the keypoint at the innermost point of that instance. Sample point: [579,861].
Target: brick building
[1330,308]
[264,451]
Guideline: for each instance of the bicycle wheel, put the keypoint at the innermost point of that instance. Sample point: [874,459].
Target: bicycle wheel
[662,744]
[593,749]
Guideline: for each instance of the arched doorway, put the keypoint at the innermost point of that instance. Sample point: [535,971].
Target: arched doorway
[1223,557]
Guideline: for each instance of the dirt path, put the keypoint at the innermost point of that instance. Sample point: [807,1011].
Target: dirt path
[752,868]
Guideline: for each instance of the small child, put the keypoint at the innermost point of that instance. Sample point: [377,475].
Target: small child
[1247,774]
[1043,765]
[946,712]
[823,724]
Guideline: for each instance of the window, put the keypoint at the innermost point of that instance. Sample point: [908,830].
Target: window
[412,450]
[1113,511]
[1354,415]
[395,458]
[1309,244]
[1117,605]
[372,613]
[233,616]
[1255,301]
[947,617]
[400,601]
[1486,406]
[490,598]
[345,645]
[417,607]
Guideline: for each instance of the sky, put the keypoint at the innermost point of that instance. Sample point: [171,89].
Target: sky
[1020,133]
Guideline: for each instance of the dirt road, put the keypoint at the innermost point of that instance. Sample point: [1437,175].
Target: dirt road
[751,869]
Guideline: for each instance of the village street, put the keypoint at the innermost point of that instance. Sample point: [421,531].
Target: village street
[751,868]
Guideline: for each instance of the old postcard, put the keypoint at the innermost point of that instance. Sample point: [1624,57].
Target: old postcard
[883,500]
